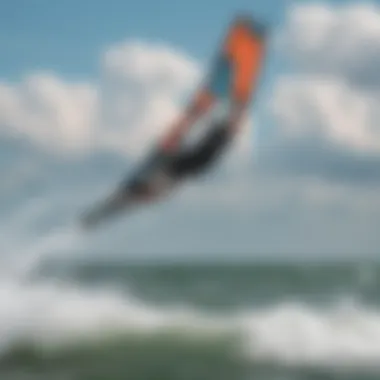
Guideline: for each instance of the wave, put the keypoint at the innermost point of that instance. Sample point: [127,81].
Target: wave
[54,315]
[57,314]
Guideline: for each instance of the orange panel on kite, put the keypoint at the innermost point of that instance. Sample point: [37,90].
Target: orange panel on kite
[240,61]
[233,76]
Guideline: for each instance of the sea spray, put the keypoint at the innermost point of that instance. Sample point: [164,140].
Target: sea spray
[52,244]
[287,334]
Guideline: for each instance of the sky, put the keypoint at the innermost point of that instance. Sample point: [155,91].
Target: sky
[87,87]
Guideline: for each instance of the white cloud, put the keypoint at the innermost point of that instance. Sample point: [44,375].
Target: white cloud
[142,88]
[329,103]
[343,40]
[329,111]
[156,66]
[47,111]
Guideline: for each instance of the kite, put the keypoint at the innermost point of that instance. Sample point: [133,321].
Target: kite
[232,80]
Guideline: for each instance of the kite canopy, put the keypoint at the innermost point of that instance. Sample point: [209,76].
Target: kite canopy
[232,80]
[238,64]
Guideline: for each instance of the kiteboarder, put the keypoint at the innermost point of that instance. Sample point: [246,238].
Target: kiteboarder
[187,162]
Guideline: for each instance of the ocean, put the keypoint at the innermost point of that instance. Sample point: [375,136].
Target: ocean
[110,319]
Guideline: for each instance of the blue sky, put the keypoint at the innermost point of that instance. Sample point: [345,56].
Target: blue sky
[76,106]
[69,36]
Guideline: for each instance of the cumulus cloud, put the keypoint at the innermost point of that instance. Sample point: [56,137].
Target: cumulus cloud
[325,112]
[142,88]
[134,100]
[341,40]
[48,111]
[329,111]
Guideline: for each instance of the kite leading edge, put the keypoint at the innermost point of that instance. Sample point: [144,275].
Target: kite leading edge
[233,78]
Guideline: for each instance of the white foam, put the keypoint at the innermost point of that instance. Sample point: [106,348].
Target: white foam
[300,335]
[31,253]
[56,313]
[48,313]
[53,313]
